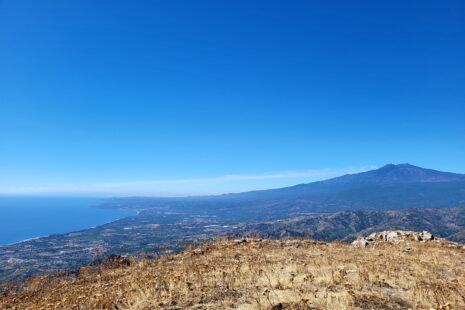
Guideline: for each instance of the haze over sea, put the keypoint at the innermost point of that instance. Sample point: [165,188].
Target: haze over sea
[30,217]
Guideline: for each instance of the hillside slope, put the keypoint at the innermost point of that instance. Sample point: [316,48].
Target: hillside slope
[264,274]
[348,225]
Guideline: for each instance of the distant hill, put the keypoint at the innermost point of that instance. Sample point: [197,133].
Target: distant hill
[392,187]
[348,225]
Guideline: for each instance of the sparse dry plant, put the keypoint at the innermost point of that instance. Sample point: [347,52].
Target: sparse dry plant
[263,274]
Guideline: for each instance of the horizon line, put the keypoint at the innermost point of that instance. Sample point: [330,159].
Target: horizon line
[111,188]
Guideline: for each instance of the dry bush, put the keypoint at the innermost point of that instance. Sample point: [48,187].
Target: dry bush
[264,274]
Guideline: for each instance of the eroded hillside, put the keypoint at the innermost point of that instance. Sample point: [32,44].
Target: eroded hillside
[265,274]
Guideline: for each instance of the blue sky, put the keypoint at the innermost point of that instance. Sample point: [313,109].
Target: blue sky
[195,97]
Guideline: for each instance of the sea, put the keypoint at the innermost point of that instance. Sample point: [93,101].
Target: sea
[23,218]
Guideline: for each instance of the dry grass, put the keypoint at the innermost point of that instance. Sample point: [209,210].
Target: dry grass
[265,275]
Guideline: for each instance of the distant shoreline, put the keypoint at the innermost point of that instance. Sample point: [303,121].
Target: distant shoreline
[72,230]
[65,233]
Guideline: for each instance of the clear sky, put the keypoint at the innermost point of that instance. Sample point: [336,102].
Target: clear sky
[193,97]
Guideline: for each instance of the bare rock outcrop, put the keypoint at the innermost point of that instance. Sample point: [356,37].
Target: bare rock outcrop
[394,236]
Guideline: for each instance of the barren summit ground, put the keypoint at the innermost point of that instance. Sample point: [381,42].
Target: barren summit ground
[265,274]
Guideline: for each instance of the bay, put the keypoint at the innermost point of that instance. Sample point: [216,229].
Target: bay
[26,217]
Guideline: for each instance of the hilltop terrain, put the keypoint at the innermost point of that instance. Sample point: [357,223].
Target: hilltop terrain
[264,274]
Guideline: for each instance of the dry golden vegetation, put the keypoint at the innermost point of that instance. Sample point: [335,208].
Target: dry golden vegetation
[264,274]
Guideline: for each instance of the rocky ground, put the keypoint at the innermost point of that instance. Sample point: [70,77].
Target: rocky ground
[391,270]
[399,236]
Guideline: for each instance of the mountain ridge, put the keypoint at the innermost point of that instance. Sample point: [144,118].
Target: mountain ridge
[397,173]
[390,187]
[435,176]
[348,225]
[400,173]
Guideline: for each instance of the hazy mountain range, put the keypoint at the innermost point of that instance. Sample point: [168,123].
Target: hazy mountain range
[392,187]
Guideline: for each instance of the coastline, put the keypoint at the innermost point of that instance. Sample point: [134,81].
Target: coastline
[60,231]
